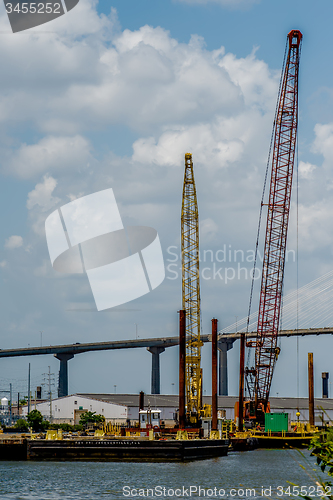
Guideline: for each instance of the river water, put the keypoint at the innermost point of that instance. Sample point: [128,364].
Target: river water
[239,475]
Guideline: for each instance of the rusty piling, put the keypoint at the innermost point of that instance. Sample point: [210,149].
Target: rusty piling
[311,389]
[214,374]
[182,358]
[241,383]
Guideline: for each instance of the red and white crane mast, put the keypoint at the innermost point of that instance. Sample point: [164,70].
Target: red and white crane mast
[259,379]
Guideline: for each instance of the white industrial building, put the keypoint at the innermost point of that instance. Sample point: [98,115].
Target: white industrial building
[68,409]
[168,404]
[124,408]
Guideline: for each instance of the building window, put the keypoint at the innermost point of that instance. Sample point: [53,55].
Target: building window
[75,402]
[102,410]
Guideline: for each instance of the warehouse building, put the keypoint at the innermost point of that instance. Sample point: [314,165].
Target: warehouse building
[124,408]
[69,409]
[168,404]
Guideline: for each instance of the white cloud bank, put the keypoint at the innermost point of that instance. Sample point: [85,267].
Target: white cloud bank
[176,96]
[68,84]
[49,154]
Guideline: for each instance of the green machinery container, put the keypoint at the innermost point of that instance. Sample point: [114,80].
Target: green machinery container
[276,422]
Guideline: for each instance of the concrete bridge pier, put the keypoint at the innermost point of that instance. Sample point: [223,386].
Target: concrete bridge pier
[63,373]
[224,346]
[155,369]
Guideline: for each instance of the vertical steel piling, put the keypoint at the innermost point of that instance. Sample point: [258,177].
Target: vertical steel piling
[311,389]
[182,359]
[214,374]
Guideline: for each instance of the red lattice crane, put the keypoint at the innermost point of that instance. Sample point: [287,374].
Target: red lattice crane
[259,378]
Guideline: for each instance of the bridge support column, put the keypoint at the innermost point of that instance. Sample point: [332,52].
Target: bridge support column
[63,373]
[224,346]
[223,369]
[155,369]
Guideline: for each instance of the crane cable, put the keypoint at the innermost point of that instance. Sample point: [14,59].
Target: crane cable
[315,303]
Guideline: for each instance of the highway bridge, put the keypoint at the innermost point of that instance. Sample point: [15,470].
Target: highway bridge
[155,346]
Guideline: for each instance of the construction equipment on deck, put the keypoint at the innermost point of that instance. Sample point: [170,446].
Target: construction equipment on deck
[191,294]
[259,377]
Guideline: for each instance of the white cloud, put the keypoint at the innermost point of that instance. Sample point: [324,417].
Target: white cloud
[306,170]
[50,154]
[189,99]
[316,205]
[145,80]
[323,142]
[314,219]
[149,79]
[218,144]
[42,194]
[3,264]
[14,242]
[253,76]
[204,141]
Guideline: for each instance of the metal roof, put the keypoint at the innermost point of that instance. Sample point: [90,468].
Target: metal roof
[171,401]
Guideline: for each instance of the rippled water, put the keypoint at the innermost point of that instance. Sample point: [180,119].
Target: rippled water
[91,481]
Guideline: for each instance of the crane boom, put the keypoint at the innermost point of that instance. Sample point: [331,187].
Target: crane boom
[259,379]
[191,292]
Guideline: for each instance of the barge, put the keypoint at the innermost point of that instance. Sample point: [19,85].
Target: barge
[119,449]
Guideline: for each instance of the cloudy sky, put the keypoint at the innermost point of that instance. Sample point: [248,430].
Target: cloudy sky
[113,94]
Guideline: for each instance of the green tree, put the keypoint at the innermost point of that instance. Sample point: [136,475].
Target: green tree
[35,419]
[45,425]
[91,417]
[21,425]
[322,448]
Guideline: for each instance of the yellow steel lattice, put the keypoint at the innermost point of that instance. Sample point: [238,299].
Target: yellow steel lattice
[191,292]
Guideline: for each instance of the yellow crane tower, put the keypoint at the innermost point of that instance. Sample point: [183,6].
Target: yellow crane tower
[191,293]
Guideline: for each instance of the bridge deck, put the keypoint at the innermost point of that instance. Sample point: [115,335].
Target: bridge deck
[150,342]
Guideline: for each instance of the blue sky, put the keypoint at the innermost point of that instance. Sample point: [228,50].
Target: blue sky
[113,95]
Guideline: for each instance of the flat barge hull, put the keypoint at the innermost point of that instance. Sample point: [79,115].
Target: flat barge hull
[283,442]
[13,449]
[125,450]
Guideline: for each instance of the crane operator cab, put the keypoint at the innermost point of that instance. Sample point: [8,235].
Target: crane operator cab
[255,417]
[150,419]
